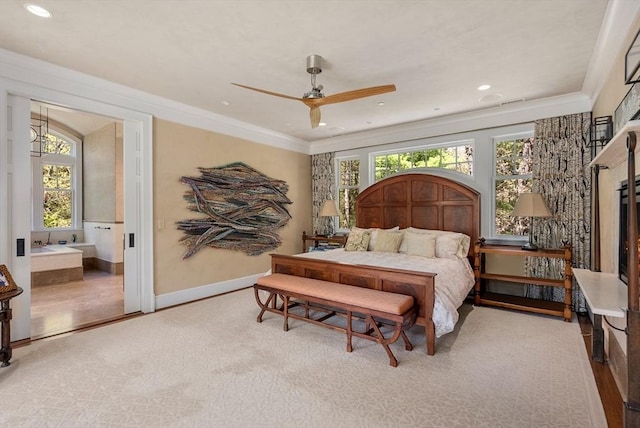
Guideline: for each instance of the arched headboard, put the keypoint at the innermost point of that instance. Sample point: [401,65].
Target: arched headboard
[424,201]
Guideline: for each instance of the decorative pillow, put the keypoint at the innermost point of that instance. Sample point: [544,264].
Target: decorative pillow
[374,236]
[464,241]
[358,240]
[420,244]
[388,241]
[447,246]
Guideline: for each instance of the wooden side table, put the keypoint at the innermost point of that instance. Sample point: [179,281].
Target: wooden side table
[5,320]
[317,239]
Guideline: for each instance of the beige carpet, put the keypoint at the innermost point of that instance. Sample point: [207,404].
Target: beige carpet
[209,364]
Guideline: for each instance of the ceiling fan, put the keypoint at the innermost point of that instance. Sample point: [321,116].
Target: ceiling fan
[315,98]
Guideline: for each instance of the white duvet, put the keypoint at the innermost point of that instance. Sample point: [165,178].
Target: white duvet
[454,277]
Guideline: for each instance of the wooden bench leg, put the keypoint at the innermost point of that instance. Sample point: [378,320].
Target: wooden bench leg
[263,306]
[407,343]
[285,312]
[393,362]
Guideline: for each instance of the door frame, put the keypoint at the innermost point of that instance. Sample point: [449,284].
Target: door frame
[138,190]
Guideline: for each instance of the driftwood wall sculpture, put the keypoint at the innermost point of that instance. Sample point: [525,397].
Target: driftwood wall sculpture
[243,210]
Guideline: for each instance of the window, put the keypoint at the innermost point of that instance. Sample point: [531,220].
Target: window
[348,189]
[55,199]
[458,158]
[513,159]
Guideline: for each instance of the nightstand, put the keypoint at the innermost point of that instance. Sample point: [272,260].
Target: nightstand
[318,240]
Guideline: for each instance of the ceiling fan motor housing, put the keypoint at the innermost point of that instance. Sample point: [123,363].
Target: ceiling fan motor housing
[314,64]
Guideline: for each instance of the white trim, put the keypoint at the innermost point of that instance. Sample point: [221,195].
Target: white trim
[204,291]
[472,121]
[36,72]
[616,25]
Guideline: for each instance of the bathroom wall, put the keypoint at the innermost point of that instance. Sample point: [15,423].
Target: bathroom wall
[103,210]
[102,167]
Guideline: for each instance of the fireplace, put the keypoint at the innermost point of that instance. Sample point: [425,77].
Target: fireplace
[623,246]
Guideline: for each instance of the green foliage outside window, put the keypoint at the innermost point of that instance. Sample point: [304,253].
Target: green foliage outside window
[57,185]
[457,158]
[56,182]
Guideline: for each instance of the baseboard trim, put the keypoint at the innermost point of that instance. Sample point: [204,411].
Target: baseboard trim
[202,292]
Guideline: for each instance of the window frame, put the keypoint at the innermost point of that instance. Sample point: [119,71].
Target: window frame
[495,178]
[74,160]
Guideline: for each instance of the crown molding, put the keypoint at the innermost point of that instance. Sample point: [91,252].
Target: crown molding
[616,25]
[42,74]
[509,114]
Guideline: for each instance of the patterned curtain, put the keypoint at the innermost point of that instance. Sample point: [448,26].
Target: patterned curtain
[322,176]
[561,173]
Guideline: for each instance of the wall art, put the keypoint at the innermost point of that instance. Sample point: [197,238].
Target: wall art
[241,208]
[628,109]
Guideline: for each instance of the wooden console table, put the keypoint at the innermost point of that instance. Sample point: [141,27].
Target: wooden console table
[561,309]
[5,320]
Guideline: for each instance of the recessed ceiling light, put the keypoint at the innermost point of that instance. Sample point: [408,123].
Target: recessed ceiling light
[380,103]
[38,10]
[225,103]
[483,87]
[491,98]
[322,124]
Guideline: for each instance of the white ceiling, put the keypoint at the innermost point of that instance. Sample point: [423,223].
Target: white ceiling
[436,52]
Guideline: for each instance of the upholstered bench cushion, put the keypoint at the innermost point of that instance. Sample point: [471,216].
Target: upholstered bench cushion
[377,300]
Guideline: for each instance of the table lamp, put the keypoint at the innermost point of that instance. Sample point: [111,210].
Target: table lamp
[530,205]
[329,209]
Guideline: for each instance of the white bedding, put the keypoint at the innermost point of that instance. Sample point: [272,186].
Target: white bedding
[454,277]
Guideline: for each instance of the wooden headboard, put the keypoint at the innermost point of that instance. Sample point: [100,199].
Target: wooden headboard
[420,200]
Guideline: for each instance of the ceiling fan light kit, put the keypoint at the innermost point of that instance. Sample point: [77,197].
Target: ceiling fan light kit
[315,98]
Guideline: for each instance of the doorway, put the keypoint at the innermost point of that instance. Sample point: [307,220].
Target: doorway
[77,261]
[15,213]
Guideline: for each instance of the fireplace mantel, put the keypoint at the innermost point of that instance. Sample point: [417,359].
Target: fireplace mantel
[615,152]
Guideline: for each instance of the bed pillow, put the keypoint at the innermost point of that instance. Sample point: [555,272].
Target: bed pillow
[388,241]
[446,244]
[374,236]
[358,240]
[420,244]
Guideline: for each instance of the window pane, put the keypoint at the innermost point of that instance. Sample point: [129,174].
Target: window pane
[507,192]
[56,177]
[350,173]
[347,208]
[53,144]
[57,208]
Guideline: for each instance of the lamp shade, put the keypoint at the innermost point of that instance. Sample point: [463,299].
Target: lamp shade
[329,209]
[531,205]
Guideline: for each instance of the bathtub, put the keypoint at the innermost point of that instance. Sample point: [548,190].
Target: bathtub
[55,264]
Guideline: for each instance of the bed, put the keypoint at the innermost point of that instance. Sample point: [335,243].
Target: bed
[420,203]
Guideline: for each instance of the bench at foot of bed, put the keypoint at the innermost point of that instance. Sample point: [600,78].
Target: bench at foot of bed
[374,307]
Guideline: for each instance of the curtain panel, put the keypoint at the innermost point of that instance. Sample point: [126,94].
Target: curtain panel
[561,173]
[322,179]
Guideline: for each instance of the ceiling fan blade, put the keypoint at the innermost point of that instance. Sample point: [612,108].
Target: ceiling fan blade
[267,92]
[354,95]
[314,114]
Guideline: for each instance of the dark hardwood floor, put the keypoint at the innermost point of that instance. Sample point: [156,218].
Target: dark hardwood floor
[609,394]
[62,308]
[98,299]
